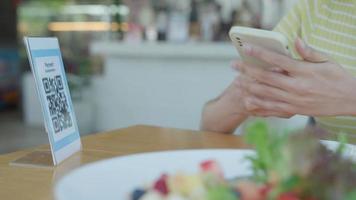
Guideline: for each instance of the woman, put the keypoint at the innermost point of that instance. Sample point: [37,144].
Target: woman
[319,81]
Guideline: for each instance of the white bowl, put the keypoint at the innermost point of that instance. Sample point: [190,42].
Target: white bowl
[115,178]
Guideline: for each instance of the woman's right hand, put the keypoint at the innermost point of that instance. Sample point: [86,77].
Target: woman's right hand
[243,88]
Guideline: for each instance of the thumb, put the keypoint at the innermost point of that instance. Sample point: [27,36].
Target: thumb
[309,54]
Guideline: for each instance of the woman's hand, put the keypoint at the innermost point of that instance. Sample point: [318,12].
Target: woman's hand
[315,86]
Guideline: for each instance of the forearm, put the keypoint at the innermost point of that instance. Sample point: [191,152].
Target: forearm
[354,104]
[223,114]
[351,106]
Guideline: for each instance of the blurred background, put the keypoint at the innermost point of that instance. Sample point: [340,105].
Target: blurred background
[128,62]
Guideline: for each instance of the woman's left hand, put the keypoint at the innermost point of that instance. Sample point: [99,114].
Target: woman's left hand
[314,86]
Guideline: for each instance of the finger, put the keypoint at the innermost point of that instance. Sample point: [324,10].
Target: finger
[234,65]
[277,70]
[266,113]
[274,79]
[266,104]
[237,65]
[240,85]
[256,111]
[245,80]
[309,54]
[245,83]
[278,60]
[267,92]
[242,80]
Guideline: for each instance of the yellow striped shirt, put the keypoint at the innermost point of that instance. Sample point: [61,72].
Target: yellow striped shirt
[328,26]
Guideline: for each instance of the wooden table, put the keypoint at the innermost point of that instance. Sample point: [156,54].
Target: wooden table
[37,183]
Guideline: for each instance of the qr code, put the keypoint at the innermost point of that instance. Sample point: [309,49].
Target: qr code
[57,103]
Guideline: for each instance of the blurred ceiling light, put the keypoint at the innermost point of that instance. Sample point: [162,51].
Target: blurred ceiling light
[86,26]
[122,9]
[85,9]
[96,9]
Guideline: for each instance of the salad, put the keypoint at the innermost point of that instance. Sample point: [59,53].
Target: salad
[286,167]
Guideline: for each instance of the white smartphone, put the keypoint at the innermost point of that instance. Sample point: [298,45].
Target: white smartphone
[269,40]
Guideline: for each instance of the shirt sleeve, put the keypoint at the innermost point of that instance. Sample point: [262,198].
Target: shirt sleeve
[290,26]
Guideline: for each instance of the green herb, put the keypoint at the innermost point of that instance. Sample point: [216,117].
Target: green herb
[351,196]
[221,192]
[299,163]
[269,155]
[343,141]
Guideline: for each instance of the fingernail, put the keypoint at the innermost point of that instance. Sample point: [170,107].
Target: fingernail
[234,65]
[238,65]
[238,62]
[247,49]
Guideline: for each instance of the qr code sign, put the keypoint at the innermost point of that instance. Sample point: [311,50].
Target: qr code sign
[57,103]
